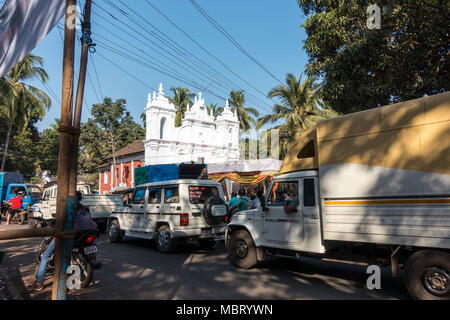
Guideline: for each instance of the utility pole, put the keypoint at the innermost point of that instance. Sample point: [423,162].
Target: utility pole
[64,218]
[86,45]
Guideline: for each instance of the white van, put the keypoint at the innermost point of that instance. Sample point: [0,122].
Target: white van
[170,211]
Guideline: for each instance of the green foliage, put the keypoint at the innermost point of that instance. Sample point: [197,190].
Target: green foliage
[213,110]
[111,128]
[21,106]
[49,149]
[237,100]
[300,106]
[407,58]
[182,97]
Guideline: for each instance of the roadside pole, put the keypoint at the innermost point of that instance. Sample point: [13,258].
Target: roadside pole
[64,221]
[86,42]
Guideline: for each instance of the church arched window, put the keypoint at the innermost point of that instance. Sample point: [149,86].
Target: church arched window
[161,128]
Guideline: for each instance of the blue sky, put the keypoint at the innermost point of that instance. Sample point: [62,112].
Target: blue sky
[269,30]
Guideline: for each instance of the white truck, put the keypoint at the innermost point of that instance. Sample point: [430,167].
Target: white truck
[100,206]
[371,187]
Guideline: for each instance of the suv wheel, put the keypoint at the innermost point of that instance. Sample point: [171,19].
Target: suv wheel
[242,250]
[164,241]
[114,232]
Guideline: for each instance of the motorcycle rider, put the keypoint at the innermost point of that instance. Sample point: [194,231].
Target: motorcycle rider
[16,205]
[82,222]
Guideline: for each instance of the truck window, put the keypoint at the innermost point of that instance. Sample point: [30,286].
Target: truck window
[127,198]
[154,195]
[281,192]
[34,191]
[171,195]
[309,198]
[139,196]
[199,194]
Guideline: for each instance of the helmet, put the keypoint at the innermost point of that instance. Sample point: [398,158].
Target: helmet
[20,193]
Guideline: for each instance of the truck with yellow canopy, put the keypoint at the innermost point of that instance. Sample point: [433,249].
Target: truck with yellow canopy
[370,187]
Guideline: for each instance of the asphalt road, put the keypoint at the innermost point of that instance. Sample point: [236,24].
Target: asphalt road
[133,269]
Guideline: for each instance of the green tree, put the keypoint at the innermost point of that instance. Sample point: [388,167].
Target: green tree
[213,110]
[237,100]
[300,106]
[111,128]
[49,149]
[182,97]
[20,100]
[407,58]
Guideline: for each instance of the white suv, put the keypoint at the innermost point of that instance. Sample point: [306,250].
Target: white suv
[169,211]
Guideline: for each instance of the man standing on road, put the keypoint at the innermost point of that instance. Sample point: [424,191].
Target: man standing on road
[16,204]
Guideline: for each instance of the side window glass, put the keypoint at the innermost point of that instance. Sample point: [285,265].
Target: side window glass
[127,198]
[171,195]
[282,192]
[309,199]
[154,195]
[139,196]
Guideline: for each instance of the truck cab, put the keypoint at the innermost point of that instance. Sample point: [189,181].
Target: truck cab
[290,218]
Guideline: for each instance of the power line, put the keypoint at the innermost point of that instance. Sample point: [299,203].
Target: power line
[205,50]
[165,43]
[182,65]
[233,41]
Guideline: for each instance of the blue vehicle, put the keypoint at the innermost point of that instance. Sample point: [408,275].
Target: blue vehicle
[11,184]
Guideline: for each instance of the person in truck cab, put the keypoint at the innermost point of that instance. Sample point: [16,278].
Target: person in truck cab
[290,204]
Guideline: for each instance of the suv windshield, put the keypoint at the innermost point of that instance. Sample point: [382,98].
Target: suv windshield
[35,191]
[199,194]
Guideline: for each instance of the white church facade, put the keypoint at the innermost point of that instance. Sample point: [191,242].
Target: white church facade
[201,138]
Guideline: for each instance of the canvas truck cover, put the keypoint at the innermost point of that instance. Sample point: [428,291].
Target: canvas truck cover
[384,173]
[405,144]
[166,172]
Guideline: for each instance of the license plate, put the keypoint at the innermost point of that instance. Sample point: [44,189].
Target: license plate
[90,250]
[219,237]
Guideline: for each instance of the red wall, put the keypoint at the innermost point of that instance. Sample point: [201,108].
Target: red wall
[126,177]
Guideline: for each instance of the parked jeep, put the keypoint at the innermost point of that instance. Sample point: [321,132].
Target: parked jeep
[170,212]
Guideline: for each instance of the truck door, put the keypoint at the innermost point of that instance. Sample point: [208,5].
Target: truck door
[280,226]
[153,208]
[136,218]
[171,207]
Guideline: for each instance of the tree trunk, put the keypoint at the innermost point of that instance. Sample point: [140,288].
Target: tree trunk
[6,147]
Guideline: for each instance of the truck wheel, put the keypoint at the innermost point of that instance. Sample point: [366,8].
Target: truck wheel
[114,232]
[427,275]
[207,244]
[241,250]
[164,242]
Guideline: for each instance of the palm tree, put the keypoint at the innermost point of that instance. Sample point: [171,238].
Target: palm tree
[301,106]
[213,110]
[21,99]
[181,99]
[237,99]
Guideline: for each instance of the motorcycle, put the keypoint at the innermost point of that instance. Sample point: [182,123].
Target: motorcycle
[19,215]
[83,256]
